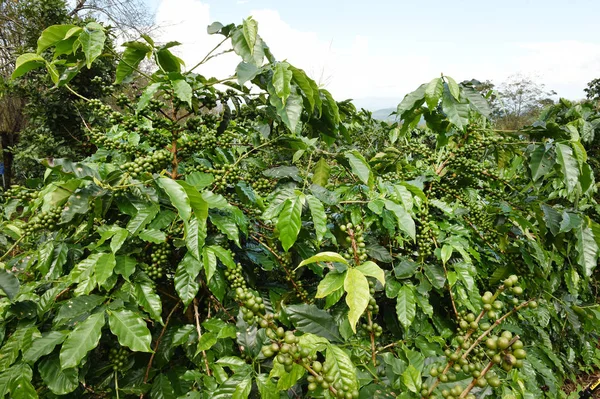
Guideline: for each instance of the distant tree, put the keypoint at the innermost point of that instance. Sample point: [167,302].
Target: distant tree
[521,100]
[593,90]
[36,119]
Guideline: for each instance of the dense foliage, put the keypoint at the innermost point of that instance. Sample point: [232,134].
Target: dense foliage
[290,246]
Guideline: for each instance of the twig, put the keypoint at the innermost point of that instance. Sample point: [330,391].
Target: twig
[158,343]
[197,316]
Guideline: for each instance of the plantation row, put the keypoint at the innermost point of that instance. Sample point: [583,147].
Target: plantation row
[292,246]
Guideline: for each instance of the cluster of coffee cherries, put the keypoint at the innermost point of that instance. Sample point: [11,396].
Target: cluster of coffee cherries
[118,357]
[159,261]
[506,352]
[252,306]
[287,351]
[356,240]
[101,109]
[157,138]
[373,308]
[262,186]
[426,234]
[285,260]
[45,220]
[102,140]
[148,164]
[20,193]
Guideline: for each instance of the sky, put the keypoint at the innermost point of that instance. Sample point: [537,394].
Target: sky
[377,51]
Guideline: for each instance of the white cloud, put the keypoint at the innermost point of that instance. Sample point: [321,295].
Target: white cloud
[359,66]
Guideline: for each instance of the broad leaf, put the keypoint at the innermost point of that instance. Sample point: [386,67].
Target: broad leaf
[568,166]
[341,367]
[356,286]
[404,220]
[372,269]
[81,340]
[541,162]
[282,78]
[44,345]
[149,300]
[92,42]
[319,216]
[332,282]
[360,167]
[178,196]
[54,34]
[134,53]
[9,284]
[456,112]
[290,221]
[406,306]
[311,319]
[411,100]
[130,329]
[26,62]
[324,257]
[59,381]
[433,93]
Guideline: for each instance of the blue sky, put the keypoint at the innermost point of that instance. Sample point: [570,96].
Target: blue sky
[377,51]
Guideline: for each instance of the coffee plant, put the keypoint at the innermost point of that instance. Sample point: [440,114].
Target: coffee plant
[251,237]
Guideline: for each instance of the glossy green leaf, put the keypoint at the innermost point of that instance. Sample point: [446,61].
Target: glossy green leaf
[311,319]
[52,35]
[433,93]
[324,257]
[372,269]
[44,345]
[319,217]
[290,111]
[321,173]
[183,91]
[92,42]
[26,62]
[588,250]
[178,196]
[290,221]
[81,340]
[245,72]
[340,367]
[134,53]
[144,215]
[332,282]
[411,100]
[404,220]
[266,387]
[9,284]
[568,166]
[541,162]
[456,112]
[104,267]
[453,88]
[356,286]
[477,101]
[406,306]
[309,87]
[130,329]
[20,386]
[250,31]
[412,379]
[162,388]
[59,381]
[360,167]
[148,299]
[209,259]
[185,284]
[282,78]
